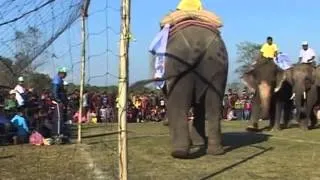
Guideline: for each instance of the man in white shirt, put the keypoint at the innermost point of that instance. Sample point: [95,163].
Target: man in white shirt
[20,92]
[307,55]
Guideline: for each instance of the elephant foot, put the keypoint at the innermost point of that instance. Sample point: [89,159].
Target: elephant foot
[304,128]
[197,151]
[192,153]
[312,126]
[284,126]
[276,129]
[180,154]
[253,128]
[215,151]
[166,122]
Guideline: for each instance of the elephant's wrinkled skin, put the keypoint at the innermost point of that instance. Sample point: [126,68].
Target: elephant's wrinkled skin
[303,78]
[267,104]
[197,60]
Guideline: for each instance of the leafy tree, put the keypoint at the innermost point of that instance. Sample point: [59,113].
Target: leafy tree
[27,45]
[38,81]
[236,87]
[247,52]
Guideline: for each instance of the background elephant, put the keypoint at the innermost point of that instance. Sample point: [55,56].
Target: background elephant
[197,64]
[304,80]
[262,80]
[269,102]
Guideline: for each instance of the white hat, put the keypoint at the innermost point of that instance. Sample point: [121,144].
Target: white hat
[20,79]
[305,43]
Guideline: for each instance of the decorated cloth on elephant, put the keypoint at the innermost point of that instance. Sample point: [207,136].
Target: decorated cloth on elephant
[189,12]
[158,49]
[283,61]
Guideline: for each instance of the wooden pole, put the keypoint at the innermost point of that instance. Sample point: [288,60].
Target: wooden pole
[123,89]
[84,16]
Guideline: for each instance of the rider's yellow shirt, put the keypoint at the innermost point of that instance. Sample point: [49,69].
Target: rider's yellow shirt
[268,51]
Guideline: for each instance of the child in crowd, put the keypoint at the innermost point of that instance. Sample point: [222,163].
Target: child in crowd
[10,104]
[20,123]
[109,113]
[83,118]
[103,114]
[92,117]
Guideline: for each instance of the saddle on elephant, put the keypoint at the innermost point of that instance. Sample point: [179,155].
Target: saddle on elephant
[188,13]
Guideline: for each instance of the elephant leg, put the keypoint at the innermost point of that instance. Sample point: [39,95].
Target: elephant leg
[198,133]
[213,114]
[287,109]
[311,116]
[179,103]
[255,115]
[277,116]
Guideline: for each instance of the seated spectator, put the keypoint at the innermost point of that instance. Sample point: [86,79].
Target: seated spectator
[4,128]
[20,123]
[92,117]
[10,104]
[231,115]
[103,113]
[83,118]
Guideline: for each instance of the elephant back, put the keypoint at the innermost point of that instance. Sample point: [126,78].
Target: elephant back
[178,16]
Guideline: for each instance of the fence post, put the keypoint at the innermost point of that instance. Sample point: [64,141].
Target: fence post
[84,15]
[123,89]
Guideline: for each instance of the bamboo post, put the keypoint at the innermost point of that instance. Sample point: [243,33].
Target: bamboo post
[84,15]
[123,89]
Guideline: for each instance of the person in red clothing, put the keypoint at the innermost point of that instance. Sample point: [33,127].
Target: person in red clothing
[247,109]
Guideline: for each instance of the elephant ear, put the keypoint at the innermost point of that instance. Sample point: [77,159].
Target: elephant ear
[249,81]
[316,76]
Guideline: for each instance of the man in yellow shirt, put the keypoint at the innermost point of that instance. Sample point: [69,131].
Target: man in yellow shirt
[190,5]
[269,49]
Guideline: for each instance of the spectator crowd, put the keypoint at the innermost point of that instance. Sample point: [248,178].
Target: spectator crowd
[23,111]
[237,106]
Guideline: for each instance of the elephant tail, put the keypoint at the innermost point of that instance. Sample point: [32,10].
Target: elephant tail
[144,82]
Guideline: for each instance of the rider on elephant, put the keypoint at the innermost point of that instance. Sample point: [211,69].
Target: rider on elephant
[190,5]
[268,52]
[307,55]
[269,49]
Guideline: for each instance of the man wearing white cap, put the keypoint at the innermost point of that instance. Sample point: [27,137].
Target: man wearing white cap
[307,55]
[20,92]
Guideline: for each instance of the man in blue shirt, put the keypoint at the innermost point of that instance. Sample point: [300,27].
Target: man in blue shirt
[60,97]
[58,86]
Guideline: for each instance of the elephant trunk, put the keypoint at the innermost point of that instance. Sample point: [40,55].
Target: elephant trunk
[265,98]
[300,98]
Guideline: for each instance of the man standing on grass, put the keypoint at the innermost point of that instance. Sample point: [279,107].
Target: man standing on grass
[60,98]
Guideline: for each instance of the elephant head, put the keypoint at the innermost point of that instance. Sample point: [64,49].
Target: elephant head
[262,80]
[301,77]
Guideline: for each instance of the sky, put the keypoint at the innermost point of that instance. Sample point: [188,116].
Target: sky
[289,22]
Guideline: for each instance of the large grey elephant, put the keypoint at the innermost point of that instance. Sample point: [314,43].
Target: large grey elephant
[304,79]
[268,102]
[196,72]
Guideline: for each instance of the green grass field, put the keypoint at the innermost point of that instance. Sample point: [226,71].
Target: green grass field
[289,154]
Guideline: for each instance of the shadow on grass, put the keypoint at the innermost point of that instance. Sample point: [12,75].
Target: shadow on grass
[7,157]
[236,164]
[235,140]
